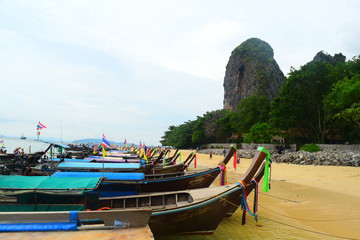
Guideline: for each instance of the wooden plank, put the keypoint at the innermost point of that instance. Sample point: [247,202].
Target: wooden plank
[135,218]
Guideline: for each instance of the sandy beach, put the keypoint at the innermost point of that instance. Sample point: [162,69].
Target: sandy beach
[324,200]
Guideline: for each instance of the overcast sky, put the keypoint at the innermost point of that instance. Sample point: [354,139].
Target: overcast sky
[131,69]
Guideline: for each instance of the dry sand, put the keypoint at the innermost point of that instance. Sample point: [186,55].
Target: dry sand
[324,199]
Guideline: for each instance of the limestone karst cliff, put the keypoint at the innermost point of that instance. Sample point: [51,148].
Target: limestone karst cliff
[251,70]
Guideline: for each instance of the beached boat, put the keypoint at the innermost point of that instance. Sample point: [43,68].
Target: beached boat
[133,182]
[193,211]
[31,157]
[130,183]
[190,211]
[150,168]
[42,203]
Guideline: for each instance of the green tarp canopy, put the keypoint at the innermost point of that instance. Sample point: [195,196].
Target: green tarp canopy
[14,183]
[41,207]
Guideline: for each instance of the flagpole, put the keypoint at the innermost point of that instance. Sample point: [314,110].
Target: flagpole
[61,132]
[103,160]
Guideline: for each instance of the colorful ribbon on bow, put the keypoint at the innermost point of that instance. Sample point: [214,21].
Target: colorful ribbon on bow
[223,174]
[194,160]
[266,182]
[235,157]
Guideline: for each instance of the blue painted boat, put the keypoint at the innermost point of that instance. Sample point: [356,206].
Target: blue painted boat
[92,166]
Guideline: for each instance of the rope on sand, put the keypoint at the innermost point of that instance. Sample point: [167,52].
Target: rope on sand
[301,219]
[310,220]
[303,229]
[307,230]
[288,200]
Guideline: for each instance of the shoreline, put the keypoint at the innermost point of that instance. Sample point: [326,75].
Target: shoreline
[322,199]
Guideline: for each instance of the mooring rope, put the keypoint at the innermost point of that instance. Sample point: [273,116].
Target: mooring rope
[309,220]
[307,230]
[288,200]
[303,229]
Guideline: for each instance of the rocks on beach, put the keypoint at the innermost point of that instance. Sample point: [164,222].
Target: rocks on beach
[326,158]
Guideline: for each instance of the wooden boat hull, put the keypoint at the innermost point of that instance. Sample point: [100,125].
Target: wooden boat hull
[164,183]
[200,218]
[169,169]
[194,211]
[31,157]
[150,169]
[188,181]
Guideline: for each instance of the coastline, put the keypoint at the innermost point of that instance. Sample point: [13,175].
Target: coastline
[321,199]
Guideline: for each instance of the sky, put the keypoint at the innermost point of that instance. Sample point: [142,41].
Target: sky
[131,69]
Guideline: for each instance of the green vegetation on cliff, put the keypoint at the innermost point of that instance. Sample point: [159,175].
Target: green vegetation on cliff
[255,49]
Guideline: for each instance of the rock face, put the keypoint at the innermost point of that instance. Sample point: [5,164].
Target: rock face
[325,57]
[251,70]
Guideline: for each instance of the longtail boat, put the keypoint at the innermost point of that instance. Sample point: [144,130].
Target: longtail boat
[150,168]
[187,211]
[140,183]
[193,211]
[42,203]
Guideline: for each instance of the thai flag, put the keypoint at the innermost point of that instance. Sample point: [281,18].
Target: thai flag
[105,142]
[40,126]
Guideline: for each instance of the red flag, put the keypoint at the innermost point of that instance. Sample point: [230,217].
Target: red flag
[40,126]
[234,163]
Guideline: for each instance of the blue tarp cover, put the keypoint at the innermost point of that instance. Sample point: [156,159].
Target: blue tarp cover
[108,175]
[71,225]
[91,165]
[55,144]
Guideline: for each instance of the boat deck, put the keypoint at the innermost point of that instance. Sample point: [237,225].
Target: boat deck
[158,201]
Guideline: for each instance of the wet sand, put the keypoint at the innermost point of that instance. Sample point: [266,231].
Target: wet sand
[320,201]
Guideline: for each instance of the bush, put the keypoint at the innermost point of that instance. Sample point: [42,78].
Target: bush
[310,148]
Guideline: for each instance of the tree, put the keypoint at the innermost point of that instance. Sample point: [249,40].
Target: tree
[195,133]
[342,105]
[351,114]
[179,136]
[224,124]
[252,110]
[300,104]
[211,129]
[260,133]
